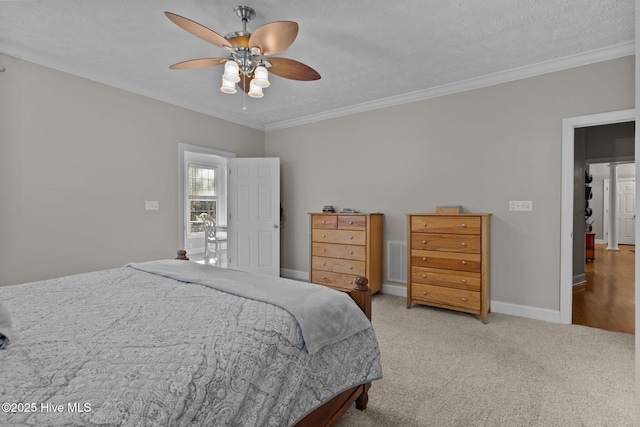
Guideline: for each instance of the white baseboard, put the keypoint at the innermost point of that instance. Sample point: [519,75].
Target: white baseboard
[399,291]
[526,311]
[496,306]
[294,274]
[578,279]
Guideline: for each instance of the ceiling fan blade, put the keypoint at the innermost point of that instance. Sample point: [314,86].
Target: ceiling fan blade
[198,30]
[193,64]
[274,38]
[290,69]
[241,83]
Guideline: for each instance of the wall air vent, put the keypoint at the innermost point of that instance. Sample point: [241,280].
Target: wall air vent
[397,261]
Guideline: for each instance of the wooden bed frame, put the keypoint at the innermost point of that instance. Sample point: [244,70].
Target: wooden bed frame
[330,412]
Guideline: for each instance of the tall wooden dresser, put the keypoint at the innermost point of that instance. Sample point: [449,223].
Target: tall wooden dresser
[344,246]
[448,266]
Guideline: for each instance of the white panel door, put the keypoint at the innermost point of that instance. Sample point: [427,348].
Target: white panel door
[254,215]
[626,212]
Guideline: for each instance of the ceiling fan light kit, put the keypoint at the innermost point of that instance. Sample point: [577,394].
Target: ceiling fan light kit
[249,53]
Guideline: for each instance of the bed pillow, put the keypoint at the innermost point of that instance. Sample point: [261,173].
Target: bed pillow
[5,326]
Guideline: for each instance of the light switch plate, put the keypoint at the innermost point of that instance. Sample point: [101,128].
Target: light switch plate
[151,205]
[521,205]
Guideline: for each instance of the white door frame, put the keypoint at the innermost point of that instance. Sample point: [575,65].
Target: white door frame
[566,204]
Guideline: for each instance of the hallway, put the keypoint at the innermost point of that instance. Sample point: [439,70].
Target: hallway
[607,300]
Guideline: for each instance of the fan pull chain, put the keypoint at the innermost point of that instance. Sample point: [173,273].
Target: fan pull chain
[244,93]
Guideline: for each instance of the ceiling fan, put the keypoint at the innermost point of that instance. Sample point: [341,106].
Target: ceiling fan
[249,53]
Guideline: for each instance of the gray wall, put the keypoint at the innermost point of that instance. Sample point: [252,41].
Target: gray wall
[612,142]
[77,161]
[637,261]
[579,166]
[95,153]
[478,149]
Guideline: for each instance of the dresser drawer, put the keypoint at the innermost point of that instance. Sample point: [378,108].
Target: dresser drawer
[347,237]
[324,221]
[333,250]
[446,242]
[446,260]
[446,224]
[453,279]
[338,265]
[352,222]
[334,280]
[438,295]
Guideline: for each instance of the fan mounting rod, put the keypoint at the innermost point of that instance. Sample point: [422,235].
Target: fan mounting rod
[245,14]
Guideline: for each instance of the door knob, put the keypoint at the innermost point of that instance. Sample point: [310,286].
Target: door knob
[275,225]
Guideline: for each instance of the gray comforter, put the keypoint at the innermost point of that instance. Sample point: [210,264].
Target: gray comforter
[128,347]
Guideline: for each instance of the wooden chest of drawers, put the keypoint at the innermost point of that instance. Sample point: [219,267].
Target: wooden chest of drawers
[344,246]
[448,262]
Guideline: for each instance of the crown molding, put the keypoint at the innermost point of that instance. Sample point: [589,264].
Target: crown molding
[591,57]
[46,60]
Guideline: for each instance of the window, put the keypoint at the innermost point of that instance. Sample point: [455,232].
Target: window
[203,197]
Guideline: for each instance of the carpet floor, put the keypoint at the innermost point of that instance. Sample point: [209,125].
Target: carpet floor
[443,368]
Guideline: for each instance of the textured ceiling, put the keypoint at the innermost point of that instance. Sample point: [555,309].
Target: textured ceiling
[365,51]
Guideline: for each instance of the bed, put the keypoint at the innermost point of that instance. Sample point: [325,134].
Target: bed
[172,343]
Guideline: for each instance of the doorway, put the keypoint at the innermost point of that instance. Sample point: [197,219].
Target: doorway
[570,125]
[194,204]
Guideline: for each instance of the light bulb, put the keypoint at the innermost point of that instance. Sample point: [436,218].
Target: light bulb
[231,72]
[228,86]
[255,91]
[262,77]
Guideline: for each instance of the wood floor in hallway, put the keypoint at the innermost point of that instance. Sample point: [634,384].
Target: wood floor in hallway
[607,300]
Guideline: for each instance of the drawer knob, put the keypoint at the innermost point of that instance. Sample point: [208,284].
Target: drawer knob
[324,235]
[424,258]
[424,242]
[424,276]
[351,267]
[324,250]
[424,224]
[350,282]
[350,252]
[424,292]
[463,299]
[464,244]
[324,263]
[464,280]
[324,278]
[350,237]
[464,262]
[350,222]
[323,221]
[464,225]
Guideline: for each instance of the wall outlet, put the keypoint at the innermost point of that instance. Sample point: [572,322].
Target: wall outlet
[521,205]
[151,205]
